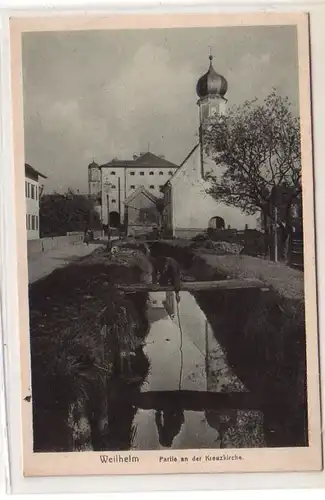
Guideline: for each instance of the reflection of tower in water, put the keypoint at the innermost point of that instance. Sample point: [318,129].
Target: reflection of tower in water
[169,422]
[169,304]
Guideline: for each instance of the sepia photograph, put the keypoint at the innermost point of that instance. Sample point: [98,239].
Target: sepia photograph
[167,239]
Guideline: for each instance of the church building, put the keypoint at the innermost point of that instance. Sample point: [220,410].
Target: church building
[189,209]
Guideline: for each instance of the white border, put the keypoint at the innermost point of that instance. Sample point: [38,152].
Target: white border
[10,313]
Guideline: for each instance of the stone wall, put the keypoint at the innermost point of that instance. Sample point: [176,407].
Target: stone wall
[187,233]
[35,247]
[137,229]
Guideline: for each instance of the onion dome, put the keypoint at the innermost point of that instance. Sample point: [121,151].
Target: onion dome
[211,83]
[93,164]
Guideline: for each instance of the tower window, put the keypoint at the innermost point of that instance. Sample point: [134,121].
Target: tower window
[112,173]
[131,173]
[152,187]
[161,173]
[141,173]
[150,173]
[132,187]
[113,201]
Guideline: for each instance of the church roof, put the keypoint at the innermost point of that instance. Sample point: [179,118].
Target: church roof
[211,83]
[181,165]
[146,160]
[93,164]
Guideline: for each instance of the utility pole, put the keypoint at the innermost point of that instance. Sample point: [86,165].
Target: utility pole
[107,186]
[108,221]
[276,234]
[119,197]
[102,200]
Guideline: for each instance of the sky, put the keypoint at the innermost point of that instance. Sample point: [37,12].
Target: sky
[98,95]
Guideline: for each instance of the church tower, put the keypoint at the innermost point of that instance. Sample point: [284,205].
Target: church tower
[94,180]
[211,89]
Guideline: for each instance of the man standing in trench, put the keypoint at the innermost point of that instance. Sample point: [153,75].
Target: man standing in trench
[167,272]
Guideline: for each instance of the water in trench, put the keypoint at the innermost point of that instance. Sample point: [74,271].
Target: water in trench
[190,397]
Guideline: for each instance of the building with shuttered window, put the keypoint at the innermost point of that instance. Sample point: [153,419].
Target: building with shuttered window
[33,189]
[114,182]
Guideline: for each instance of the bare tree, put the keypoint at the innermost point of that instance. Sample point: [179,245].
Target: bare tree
[257,147]
[160,207]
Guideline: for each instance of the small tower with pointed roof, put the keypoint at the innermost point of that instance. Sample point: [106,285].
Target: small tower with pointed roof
[94,181]
[211,89]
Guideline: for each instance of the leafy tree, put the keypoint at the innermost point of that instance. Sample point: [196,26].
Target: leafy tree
[257,147]
[62,213]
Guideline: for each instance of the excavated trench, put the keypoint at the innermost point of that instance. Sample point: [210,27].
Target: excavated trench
[210,372]
[263,336]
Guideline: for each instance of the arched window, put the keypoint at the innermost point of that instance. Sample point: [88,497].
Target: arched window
[151,173]
[161,173]
[217,223]
[112,173]
[114,219]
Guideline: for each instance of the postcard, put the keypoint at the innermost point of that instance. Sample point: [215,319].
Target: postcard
[164,199]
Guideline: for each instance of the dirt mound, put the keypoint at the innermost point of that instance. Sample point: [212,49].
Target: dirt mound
[219,247]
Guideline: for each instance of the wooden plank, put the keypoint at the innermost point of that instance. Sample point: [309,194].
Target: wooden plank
[192,400]
[196,286]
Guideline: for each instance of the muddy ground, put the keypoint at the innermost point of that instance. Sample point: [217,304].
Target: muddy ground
[79,325]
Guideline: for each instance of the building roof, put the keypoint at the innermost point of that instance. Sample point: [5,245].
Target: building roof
[140,190]
[211,83]
[181,165]
[93,164]
[29,170]
[146,160]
